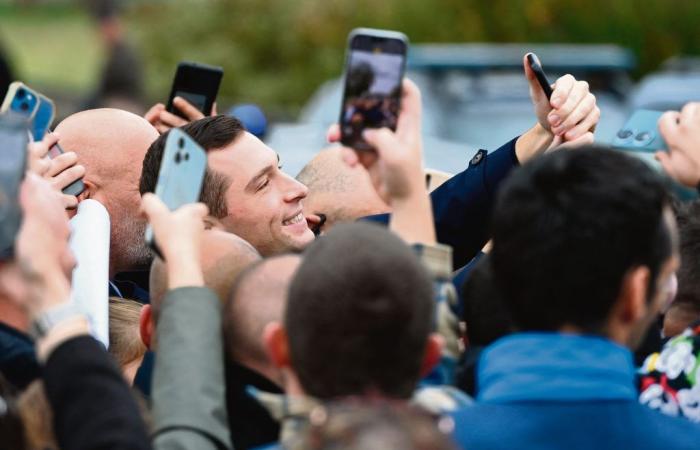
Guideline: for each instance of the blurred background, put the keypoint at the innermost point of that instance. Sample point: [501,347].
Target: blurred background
[285,57]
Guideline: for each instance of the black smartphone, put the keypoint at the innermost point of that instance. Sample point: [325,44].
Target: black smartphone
[196,83]
[374,68]
[536,67]
[14,135]
[75,188]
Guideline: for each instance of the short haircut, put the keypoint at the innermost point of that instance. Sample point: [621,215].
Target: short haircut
[688,295]
[125,343]
[568,227]
[485,315]
[212,133]
[359,314]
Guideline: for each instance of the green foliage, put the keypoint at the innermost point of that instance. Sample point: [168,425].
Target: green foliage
[277,52]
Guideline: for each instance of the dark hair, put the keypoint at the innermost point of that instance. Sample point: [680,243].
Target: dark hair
[359,314]
[688,296]
[212,133]
[568,227]
[11,425]
[485,315]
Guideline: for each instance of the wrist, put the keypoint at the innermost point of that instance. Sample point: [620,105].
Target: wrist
[184,274]
[532,143]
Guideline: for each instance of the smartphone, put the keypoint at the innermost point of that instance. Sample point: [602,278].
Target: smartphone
[196,83]
[181,174]
[536,67]
[14,138]
[37,108]
[374,69]
[75,188]
[641,133]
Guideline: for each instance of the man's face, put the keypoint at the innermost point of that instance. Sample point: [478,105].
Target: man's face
[264,204]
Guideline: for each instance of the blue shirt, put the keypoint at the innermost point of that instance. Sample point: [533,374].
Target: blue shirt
[560,391]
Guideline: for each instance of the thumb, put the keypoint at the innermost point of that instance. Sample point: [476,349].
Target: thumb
[152,206]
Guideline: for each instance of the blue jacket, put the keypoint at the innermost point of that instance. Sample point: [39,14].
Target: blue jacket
[556,391]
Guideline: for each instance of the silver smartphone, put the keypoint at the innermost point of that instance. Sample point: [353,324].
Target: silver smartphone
[13,163]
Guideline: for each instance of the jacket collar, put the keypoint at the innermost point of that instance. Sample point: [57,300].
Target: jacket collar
[555,367]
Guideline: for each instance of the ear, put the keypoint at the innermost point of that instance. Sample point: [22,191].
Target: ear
[277,345]
[212,223]
[146,325]
[433,353]
[633,295]
[88,192]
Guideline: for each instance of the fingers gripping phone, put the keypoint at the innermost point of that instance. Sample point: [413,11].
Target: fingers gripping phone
[181,174]
[14,138]
[39,111]
[196,83]
[535,65]
[374,69]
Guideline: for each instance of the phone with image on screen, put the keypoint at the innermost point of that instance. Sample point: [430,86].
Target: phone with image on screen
[14,138]
[196,83]
[374,69]
[181,174]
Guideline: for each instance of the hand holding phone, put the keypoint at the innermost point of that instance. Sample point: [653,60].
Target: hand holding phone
[181,175]
[196,83]
[374,70]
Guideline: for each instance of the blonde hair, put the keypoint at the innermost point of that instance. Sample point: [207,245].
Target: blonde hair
[125,343]
[37,418]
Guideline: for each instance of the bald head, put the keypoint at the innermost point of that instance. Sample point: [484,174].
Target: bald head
[258,298]
[341,192]
[223,257]
[111,144]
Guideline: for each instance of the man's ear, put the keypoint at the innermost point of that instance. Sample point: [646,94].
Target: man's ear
[277,345]
[632,303]
[88,192]
[212,223]
[146,325]
[433,353]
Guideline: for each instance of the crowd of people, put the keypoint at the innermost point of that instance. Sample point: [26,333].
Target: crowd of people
[546,296]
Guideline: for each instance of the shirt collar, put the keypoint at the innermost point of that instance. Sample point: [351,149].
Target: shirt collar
[555,367]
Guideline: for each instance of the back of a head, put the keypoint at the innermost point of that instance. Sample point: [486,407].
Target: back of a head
[258,297]
[689,273]
[568,227]
[375,426]
[212,133]
[125,343]
[359,315]
[486,316]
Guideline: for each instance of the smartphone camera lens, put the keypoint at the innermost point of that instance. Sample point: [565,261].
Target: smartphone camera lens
[181,142]
[643,138]
[178,158]
[625,134]
[187,156]
[24,106]
[21,93]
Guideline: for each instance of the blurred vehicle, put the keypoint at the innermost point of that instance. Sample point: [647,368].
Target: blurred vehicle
[674,85]
[474,96]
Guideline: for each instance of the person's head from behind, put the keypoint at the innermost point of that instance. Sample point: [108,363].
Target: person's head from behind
[685,308]
[337,191]
[223,257]
[125,343]
[485,315]
[375,426]
[258,297]
[245,189]
[584,241]
[111,144]
[358,320]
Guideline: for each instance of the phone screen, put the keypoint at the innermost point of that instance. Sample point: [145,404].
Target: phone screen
[196,83]
[373,80]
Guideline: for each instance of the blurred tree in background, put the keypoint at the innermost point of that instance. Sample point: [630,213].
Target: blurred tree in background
[277,52]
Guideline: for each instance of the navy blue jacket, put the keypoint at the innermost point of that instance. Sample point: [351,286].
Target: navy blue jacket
[555,391]
[17,357]
[462,205]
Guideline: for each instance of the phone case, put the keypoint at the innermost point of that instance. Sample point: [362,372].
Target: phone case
[14,136]
[641,133]
[181,173]
[35,107]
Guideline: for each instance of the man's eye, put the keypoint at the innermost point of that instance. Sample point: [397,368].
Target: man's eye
[263,185]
